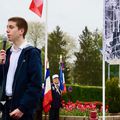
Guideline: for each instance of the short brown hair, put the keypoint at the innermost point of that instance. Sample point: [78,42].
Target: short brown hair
[21,23]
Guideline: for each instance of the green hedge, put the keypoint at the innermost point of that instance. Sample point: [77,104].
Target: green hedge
[113,95]
[83,93]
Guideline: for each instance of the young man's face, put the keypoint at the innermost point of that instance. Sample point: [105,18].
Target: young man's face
[56,80]
[13,33]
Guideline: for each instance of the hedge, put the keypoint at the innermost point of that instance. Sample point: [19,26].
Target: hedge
[82,93]
[113,95]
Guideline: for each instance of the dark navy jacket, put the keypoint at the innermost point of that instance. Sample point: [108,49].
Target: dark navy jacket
[27,82]
[56,103]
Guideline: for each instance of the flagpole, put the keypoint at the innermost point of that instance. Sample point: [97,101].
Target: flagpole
[103,65]
[46,36]
[46,44]
[108,71]
[103,84]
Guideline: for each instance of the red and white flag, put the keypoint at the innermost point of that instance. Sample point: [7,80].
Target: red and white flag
[47,93]
[36,6]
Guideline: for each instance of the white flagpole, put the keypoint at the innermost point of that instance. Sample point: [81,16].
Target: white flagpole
[46,36]
[103,65]
[119,74]
[103,84]
[46,43]
[108,71]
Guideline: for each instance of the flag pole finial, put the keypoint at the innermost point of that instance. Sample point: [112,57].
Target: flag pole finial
[47,64]
[60,58]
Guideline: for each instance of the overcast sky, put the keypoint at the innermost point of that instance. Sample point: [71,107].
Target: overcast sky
[71,15]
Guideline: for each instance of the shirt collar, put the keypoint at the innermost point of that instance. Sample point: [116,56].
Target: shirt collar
[23,45]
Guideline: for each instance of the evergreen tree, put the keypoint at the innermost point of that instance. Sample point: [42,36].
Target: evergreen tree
[88,66]
[56,47]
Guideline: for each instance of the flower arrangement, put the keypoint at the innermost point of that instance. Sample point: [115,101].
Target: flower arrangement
[81,108]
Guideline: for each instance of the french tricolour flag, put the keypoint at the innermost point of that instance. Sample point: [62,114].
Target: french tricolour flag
[62,79]
[47,92]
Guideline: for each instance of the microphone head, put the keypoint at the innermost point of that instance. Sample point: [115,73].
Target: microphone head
[4,38]
[4,42]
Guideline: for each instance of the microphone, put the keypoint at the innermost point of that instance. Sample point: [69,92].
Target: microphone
[4,42]
[3,46]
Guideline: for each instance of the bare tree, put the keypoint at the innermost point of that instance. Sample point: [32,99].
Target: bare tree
[71,47]
[36,34]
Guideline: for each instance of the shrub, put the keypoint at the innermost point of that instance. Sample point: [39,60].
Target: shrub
[83,93]
[113,95]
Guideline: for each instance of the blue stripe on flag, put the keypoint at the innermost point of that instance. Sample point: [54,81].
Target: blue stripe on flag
[47,75]
[61,79]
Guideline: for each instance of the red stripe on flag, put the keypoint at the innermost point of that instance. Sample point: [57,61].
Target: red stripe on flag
[37,9]
[47,101]
[64,88]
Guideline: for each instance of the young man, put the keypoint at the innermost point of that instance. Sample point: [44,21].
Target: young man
[20,72]
[56,95]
